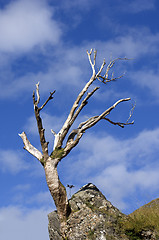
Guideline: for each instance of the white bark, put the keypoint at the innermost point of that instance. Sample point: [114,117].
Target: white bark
[30,148]
[76,135]
[51,161]
[56,139]
[57,190]
[77,106]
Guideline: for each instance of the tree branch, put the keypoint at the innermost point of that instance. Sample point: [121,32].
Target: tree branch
[37,110]
[105,78]
[119,123]
[131,112]
[30,148]
[77,108]
[76,134]
[49,98]
[83,104]
[127,122]
[73,114]
[37,93]
[90,60]
[93,120]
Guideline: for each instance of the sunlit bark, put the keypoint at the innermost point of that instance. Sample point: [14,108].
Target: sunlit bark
[61,150]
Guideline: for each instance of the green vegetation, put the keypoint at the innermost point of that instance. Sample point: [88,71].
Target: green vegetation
[42,161]
[57,153]
[91,234]
[144,219]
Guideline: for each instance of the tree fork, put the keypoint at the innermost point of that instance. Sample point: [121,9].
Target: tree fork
[61,149]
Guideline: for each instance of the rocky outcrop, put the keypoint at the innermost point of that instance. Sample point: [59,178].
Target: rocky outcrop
[54,226]
[92,217]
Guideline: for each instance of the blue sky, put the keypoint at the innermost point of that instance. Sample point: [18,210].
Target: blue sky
[46,41]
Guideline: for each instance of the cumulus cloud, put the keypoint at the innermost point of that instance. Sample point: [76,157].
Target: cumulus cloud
[26,24]
[20,223]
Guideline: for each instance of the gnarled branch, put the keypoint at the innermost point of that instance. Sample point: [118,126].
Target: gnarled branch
[76,134]
[105,78]
[77,107]
[30,148]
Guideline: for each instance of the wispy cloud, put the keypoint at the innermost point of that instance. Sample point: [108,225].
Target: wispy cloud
[134,44]
[138,6]
[42,199]
[61,73]
[148,80]
[22,195]
[68,65]
[11,161]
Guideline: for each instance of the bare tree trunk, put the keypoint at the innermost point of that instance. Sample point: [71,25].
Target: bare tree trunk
[57,190]
[61,149]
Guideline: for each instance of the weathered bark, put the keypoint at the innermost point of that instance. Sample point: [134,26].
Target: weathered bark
[50,161]
[57,190]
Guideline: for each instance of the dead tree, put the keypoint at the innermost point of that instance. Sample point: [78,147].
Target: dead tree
[61,150]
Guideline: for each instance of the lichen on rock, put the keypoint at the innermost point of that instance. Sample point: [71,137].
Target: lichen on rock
[92,216]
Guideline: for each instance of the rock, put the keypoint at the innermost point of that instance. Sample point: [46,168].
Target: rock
[54,226]
[92,217]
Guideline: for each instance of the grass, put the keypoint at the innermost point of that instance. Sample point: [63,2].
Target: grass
[144,219]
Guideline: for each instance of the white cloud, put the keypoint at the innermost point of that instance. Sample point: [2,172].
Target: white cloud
[22,187]
[147,79]
[11,161]
[134,44]
[119,183]
[118,167]
[59,74]
[17,223]
[23,196]
[42,199]
[26,24]
[49,122]
[68,66]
